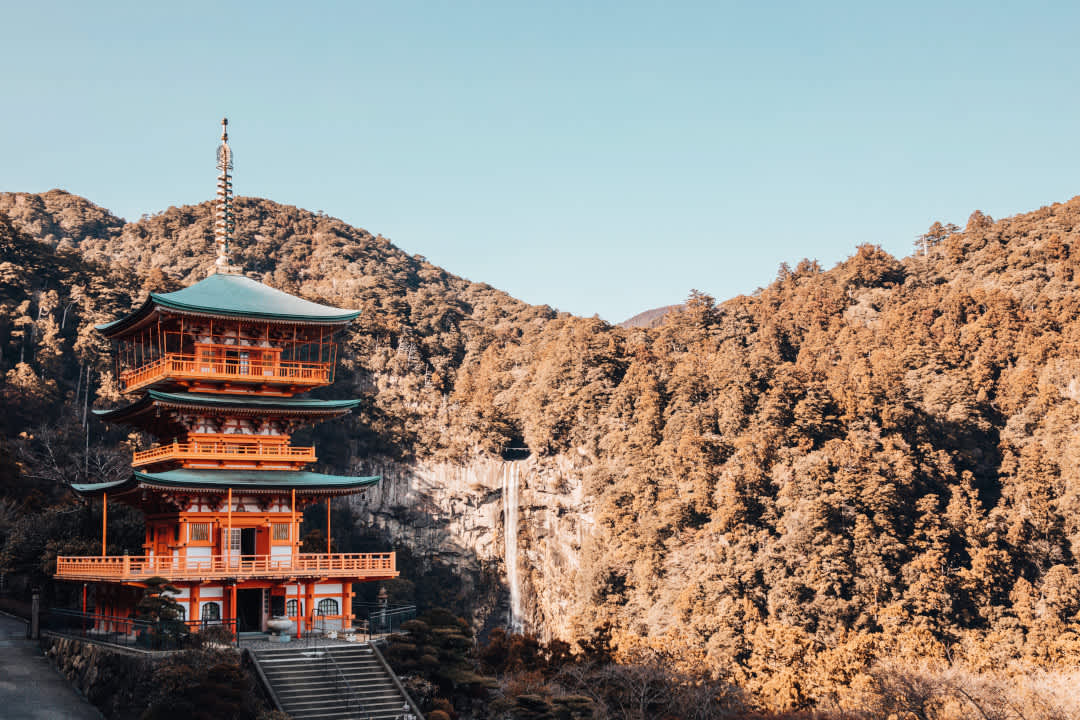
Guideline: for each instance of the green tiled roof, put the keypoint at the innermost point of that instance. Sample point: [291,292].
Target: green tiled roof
[236,296]
[222,480]
[270,403]
[240,402]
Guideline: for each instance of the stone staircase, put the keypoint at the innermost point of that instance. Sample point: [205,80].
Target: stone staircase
[350,683]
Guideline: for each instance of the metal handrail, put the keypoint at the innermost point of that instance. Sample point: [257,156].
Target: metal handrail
[382,619]
[263,680]
[339,679]
[397,681]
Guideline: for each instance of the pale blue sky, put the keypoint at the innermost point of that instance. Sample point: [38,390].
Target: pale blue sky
[598,157]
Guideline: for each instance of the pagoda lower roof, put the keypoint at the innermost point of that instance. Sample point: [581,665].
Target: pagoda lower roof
[221,481]
[143,412]
[235,297]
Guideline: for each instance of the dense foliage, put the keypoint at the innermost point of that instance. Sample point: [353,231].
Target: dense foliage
[872,463]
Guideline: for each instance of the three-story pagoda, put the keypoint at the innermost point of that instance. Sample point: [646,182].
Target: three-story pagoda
[215,370]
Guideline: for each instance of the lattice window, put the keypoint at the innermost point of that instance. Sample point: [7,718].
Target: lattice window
[329,606]
[290,608]
[211,612]
[234,546]
[199,532]
[281,532]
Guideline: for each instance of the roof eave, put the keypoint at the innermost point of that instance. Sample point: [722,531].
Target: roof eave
[221,483]
[343,319]
[117,327]
[151,481]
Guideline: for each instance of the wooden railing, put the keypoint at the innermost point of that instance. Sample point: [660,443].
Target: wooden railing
[178,366]
[140,567]
[220,451]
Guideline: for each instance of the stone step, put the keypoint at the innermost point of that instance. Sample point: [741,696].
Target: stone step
[294,693]
[330,690]
[308,678]
[337,701]
[311,661]
[341,663]
[283,665]
[309,686]
[314,667]
[325,681]
[336,652]
[320,667]
[346,648]
[394,714]
[355,710]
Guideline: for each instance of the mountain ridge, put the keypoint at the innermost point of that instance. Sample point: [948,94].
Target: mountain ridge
[866,464]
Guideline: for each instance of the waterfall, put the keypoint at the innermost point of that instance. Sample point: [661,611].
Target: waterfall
[510,533]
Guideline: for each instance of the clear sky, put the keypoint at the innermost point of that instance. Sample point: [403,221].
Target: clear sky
[600,157]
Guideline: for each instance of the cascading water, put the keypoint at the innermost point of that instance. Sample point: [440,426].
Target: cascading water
[510,533]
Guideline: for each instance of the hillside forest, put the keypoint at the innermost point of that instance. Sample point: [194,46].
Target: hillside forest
[854,493]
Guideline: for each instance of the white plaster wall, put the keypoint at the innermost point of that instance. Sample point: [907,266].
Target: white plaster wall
[200,555]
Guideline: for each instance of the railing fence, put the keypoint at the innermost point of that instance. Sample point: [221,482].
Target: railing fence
[139,633]
[222,566]
[383,619]
[191,366]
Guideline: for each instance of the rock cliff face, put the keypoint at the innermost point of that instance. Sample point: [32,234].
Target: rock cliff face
[456,515]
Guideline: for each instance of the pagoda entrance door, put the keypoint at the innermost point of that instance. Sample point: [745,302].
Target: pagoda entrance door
[161,541]
[247,541]
[249,607]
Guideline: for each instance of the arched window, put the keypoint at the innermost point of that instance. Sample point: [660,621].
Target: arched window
[329,606]
[181,613]
[211,612]
[290,608]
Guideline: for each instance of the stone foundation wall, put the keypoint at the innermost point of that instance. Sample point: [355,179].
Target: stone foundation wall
[110,678]
[123,683]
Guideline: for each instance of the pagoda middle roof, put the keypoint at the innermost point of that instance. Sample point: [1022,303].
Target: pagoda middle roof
[237,297]
[145,408]
[272,481]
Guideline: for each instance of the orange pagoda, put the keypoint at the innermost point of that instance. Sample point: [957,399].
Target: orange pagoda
[214,370]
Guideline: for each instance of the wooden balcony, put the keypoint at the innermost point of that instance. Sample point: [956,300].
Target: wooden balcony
[204,374]
[138,568]
[246,453]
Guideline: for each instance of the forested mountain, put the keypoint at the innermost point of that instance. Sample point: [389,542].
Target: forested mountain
[854,468]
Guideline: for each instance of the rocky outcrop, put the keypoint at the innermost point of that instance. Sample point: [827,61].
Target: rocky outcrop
[456,515]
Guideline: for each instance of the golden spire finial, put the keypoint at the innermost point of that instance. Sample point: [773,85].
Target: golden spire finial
[223,223]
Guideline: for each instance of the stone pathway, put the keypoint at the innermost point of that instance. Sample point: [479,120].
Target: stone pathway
[30,689]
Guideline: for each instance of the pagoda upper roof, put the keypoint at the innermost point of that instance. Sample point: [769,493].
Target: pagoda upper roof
[144,411]
[235,297]
[220,481]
